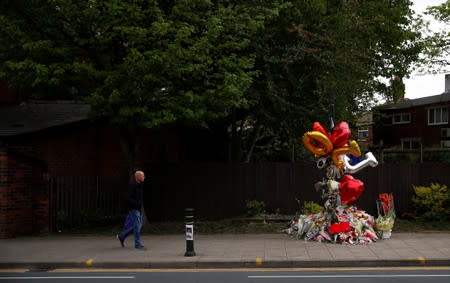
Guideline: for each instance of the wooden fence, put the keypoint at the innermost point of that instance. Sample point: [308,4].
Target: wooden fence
[438,155]
[81,201]
[220,190]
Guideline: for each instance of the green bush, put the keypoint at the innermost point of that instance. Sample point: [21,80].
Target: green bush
[310,207]
[255,207]
[433,202]
[436,156]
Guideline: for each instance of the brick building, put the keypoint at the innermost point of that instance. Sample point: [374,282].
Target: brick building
[411,124]
[41,140]
[31,135]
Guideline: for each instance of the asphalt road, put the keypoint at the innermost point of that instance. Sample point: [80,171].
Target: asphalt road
[410,275]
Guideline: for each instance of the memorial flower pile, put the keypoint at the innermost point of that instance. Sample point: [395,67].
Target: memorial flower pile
[341,221]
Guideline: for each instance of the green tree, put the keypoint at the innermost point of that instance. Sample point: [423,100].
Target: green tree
[141,63]
[321,51]
[436,56]
[265,68]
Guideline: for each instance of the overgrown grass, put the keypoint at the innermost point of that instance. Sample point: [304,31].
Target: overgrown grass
[420,225]
[255,226]
[226,226]
[246,226]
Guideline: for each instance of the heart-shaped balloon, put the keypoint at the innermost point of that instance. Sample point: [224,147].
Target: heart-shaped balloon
[339,227]
[350,189]
[340,135]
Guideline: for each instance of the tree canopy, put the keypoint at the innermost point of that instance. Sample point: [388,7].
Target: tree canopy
[436,57]
[143,63]
[318,53]
[266,68]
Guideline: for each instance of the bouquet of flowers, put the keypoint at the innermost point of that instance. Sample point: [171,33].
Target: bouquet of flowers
[386,215]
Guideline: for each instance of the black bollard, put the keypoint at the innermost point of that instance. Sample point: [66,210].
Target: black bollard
[189,217]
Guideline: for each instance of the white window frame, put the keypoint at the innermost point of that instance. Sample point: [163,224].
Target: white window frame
[402,116]
[410,141]
[442,120]
[445,144]
[363,130]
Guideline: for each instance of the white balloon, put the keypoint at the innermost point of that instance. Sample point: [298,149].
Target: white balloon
[369,160]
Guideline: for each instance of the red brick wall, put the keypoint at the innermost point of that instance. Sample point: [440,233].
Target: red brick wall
[83,149]
[392,134]
[41,200]
[16,207]
[90,150]
[24,197]
[7,93]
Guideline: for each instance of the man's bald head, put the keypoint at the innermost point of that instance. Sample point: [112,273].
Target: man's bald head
[139,176]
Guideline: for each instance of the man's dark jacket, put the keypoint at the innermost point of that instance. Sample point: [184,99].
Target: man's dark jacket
[135,197]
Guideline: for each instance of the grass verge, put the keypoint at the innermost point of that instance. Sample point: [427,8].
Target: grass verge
[246,226]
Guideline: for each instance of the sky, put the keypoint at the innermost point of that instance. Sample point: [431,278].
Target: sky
[424,85]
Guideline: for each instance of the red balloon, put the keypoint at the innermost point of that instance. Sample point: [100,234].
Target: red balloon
[341,134]
[318,127]
[350,189]
[339,227]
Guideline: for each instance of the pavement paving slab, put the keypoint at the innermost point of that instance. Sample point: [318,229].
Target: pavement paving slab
[222,251]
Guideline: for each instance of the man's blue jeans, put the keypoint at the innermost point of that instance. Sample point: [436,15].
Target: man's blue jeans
[136,216]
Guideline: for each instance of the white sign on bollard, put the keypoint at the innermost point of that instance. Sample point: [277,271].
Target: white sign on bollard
[189,232]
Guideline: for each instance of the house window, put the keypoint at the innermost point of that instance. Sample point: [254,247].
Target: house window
[363,134]
[445,144]
[410,144]
[438,115]
[401,118]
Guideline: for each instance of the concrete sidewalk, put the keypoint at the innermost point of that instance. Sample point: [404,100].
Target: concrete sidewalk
[222,251]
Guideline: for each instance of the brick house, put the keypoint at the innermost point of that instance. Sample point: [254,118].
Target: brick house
[44,139]
[40,140]
[34,140]
[414,123]
[364,130]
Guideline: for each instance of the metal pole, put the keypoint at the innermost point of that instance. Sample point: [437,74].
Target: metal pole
[421,152]
[332,100]
[189,217]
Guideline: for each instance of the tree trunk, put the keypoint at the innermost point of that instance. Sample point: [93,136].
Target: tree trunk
[130,144]
[235,141]
[255,137]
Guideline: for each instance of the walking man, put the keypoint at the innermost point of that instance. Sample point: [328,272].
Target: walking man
[134,202]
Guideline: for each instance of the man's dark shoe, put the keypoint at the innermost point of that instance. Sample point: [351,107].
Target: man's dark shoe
[121,241]
[141,248]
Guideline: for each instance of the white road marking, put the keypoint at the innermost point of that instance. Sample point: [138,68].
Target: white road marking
[346,276]
[66,277]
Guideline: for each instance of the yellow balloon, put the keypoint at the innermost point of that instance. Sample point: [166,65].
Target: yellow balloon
[352,148]
[317,143]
